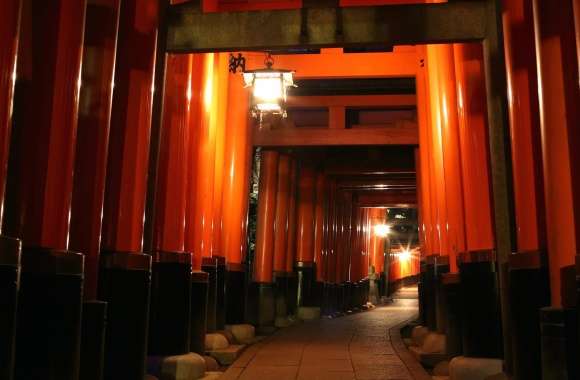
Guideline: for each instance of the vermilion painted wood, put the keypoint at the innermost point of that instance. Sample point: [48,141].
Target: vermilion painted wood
[334,63]
[376,216]
[319,223]
[439,200]
[354,269]
[221,105]
[46,111]
[9,31]
[348,237]
[205,124]
[365,261]
[100,41]
[404,100]
[339,247]
[264,254]
[171,196]
[398,133]
[451,153]
[237,164]
[130,127]
[251,5]
[325,233]
[559,118]
[472,113]
[191,217]
[281,221]
[291,241]
[209,5]
[518,25]
[422,164]
[331,233]
[345,240]
[305,216]
[354,254]
[360,3]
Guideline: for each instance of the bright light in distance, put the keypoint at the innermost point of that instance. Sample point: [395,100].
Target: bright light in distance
[382,230]
[404,255]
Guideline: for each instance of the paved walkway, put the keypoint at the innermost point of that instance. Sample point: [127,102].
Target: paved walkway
[354,347]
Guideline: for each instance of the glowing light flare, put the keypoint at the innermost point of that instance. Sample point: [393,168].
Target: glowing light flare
[268,87]
[404,255]
[382,230]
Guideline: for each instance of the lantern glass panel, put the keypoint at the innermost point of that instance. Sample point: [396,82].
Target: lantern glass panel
[268,87]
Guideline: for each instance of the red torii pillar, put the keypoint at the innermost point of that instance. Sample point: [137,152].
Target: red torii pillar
[424,185]
[220,110]
[319,207]
[237,164]
[204,245]
[292,289]
[96,94]
[197,136]
[171,277]
[472,112]
[528,265]
[479,224]
[455,229]
[559,96]
[332,244]
[39,188]
[9,247]
[281,234]
[125,271]
[305,235]
[264,253]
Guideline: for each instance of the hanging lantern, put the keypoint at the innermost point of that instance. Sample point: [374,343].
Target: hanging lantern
[269,89]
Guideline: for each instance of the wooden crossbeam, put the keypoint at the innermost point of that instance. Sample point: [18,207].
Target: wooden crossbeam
[305,136]
[190,30]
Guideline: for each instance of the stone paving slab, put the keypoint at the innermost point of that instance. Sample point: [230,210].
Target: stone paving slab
[354,347]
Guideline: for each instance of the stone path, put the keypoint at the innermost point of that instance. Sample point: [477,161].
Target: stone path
[354,347]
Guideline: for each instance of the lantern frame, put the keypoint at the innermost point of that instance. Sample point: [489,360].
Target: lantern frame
[269,89]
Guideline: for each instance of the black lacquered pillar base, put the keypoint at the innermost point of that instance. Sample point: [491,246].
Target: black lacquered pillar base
[451,287]
[170,304]
[125,284]
[49,315]
[292,293]
[441,268]
[334,298]
[366,291]
[209,265]
[559,343]
[94,324]
[430,293]
[529,292]
[198,315]
[342,297]
[280,292]
[481,315]
[422,293]
[266,305]
[317,293]
[306,276]
[220,303]
[10,250]
[382,285]
[235,294]
[348,296]
[326,299]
